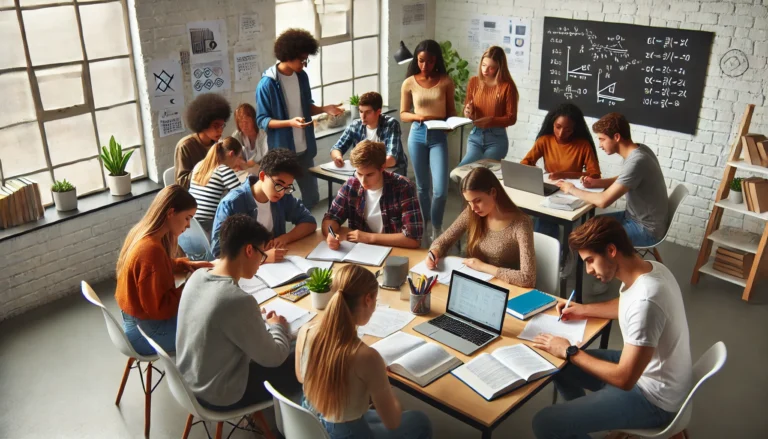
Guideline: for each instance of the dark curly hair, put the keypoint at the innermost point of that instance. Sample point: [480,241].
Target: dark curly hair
[572,112]
[432,47]
[281,160]
[293,43]
[206,108]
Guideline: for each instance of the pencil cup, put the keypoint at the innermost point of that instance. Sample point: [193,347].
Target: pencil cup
[421,303]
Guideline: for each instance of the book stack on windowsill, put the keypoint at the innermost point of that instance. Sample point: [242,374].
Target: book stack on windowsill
[734,262]
[19,202]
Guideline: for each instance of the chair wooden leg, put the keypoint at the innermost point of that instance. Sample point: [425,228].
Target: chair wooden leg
[187,427]
[656,255]
[259,417]
[148,399]
[219,429]
[125,380]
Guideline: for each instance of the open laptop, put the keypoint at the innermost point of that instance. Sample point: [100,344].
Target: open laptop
[474,315]
[526,178]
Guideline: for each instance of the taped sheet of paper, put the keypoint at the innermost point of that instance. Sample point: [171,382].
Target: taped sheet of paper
[166,83]
[247,71]
[169,121]
[210,77]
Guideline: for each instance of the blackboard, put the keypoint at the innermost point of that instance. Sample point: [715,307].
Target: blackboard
[653,75]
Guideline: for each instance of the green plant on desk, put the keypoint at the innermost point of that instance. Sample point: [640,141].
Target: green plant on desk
[62,186]
[320,280]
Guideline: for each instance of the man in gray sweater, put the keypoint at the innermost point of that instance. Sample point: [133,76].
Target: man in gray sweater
[224,349]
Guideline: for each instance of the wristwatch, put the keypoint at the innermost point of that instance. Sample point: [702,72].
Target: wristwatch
[570,351]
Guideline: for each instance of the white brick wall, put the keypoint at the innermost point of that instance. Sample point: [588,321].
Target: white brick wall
[695,161]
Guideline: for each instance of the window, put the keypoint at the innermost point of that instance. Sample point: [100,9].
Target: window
[67,71]
[348,32]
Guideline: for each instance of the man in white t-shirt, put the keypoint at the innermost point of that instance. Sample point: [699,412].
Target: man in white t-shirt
[644,384]
[382,207]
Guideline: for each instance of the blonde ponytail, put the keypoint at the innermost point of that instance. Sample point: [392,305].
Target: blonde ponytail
[201,175]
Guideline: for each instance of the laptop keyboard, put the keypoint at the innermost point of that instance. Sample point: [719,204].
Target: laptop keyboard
[461,329]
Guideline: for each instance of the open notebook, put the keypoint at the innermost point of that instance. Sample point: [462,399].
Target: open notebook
[347,169]
[503,370]
[572,330]
[296,316]
[445,267]
[257,288]
[448,124]
[288,270]
[414,358]
[359,253]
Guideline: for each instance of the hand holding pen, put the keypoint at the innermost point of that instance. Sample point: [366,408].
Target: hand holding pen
[332,239]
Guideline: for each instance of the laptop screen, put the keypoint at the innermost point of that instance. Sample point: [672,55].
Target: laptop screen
[480,302]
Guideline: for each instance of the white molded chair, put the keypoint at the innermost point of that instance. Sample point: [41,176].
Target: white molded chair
[120,340]
[709,364]
[186,399]
[675,199]
[169,176]
[296,422]
[194,242]
[547,251]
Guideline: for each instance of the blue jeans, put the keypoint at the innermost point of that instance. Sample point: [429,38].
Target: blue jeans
[486,143]
[310,194]
[429,154]
[639,236]
[197,245]
[163,332]
[606,408]
[549,228]
[413,425]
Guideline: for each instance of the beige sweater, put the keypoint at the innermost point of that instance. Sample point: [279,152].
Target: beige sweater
[510,249]
[435,101]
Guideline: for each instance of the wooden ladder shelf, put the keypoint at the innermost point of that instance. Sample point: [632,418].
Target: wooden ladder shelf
[712,233]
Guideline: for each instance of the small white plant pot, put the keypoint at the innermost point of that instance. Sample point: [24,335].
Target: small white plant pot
[736,197]
[355,113]
[119,185]
[65,201]
[320,300]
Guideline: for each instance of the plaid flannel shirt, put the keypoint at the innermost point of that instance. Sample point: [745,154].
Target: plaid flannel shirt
[388,131]
[400,210]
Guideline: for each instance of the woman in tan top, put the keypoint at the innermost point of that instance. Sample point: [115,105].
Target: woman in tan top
[341,374]
[500,235]
[492,105]
[427,94]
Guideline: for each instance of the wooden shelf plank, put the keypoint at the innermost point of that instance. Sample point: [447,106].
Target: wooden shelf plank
[741,208]
[737,239]
[741,164]
[710,270]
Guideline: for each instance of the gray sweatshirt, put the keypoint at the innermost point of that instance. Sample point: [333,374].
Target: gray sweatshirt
[220,330]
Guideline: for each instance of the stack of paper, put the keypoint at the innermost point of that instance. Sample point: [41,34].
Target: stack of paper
[562,201]
[572,330]
[347,169]
[295,315]
[386,321]
[446,266]
[257,288]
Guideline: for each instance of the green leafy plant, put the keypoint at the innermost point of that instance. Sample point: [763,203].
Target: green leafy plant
[114,159]
[457,69]
[354,100]
[320,280]
[736,184]
[62,186]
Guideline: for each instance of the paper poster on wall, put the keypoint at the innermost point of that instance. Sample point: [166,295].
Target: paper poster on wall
[247,71]
[210,77]
[170,122]
[414,21]
[207,40]
[250,27]
[510,33]
[166,84]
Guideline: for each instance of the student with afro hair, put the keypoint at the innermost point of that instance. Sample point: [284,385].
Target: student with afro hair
[206,116]
[285,106]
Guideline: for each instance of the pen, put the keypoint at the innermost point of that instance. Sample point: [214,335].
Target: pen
[330,230]
[431,255]
[566,304]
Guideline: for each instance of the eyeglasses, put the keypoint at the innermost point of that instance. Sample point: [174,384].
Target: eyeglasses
[217,126]
[280,188]
[264,256]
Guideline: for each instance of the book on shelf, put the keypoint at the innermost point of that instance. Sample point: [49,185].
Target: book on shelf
[727,269]
[415,358]
[762,150]
[449,124]
[750,148]
[755,191]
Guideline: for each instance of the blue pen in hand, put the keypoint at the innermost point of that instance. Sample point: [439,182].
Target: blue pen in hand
[566,304]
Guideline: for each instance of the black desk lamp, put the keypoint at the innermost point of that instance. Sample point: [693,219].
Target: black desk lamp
[403,55]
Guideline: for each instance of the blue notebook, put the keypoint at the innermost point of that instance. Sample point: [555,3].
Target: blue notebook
[530,303]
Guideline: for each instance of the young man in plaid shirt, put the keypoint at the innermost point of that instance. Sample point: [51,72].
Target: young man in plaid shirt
[382,207]
[376,127]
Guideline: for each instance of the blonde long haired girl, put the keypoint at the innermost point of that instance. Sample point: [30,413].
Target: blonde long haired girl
[341,374]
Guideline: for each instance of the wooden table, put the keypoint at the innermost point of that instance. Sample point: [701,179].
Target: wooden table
[447,393]
[531,204]
[330,177]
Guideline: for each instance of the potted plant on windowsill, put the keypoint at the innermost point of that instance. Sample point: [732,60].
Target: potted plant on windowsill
[114,160]
[735,195]
[319,285]
[64,195]
[354,103]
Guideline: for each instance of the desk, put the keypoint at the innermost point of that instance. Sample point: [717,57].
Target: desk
[447,393]
[330,177]
[531,204]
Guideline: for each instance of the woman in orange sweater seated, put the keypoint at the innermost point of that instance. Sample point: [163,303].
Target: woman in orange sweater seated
[146,291]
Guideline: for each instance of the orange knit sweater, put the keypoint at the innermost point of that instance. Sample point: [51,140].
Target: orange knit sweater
[576,156]
[146,288]
[498,102]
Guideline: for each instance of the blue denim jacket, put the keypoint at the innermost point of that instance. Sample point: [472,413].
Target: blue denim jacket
[240,200]
[270,104]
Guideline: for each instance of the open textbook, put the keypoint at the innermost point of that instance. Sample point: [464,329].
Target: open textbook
[415,358]
[576,182]
[296,316]
[572,330]
[445,267]
[257,288]
[288,270]
[359,253]
[503,370]
[449,124]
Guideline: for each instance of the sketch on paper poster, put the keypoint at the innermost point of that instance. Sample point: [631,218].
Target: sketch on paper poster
[250,26]
[169,122]
[510,33]
[247,71]
[207,39]
[212,76]
[168,90]
[414,19]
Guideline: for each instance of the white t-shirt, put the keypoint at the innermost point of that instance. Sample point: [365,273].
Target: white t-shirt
[264,215]
[373,210]
[651,313]
[370,134]
[293,102]
[255,151]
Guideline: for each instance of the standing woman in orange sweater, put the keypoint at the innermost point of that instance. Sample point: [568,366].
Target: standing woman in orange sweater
[146,291]
[491,103]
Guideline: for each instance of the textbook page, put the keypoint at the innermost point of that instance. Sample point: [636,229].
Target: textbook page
[524,361]
[488,376]
[323,253]
[448,124]
[367,254]
[386,321]
[347,169]
[424,359]
[445,267]
[295,315]
[257,288]
[572,330]
[279,273]
[397,345]
[306,265]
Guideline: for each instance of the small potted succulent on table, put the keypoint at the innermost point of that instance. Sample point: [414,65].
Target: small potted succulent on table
[64,195]
[354,103]
[114,160]
[319,285]
[735,194]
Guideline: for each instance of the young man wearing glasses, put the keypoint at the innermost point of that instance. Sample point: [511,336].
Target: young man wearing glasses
[285,106]
[268,199]
[224,348]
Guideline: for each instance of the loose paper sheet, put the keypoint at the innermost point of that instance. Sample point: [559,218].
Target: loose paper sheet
[169,121]
[210,77]
[385,322]
[510,33]
[250,27]
[547,324]
[166,83]
[207,40]
[414,20]
[247,71]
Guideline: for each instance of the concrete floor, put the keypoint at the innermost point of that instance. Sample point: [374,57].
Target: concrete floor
[59,372]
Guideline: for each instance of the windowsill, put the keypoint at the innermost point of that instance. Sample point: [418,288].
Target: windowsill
[331,131]
[85,205]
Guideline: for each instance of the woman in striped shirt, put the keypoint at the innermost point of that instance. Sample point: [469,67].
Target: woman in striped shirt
[213,177]
[491,103]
